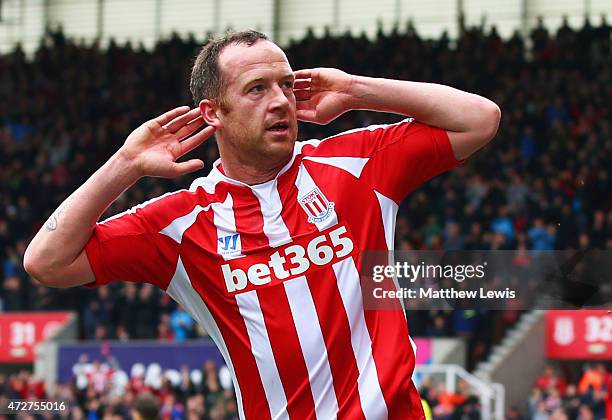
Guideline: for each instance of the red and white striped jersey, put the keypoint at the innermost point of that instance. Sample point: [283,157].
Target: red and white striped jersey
[271,271]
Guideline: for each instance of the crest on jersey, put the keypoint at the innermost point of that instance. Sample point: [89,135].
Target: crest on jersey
[316,206]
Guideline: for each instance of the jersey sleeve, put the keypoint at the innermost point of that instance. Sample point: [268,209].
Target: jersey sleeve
[131,247]
[396,158]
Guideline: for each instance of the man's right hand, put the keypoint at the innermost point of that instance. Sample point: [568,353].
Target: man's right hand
[56,255]
[154,147]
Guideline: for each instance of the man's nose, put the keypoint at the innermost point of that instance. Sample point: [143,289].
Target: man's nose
[279,98]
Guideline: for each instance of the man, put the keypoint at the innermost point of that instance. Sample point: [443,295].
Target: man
[146,407]
[264,252]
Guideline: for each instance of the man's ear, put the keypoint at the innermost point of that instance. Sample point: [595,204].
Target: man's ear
[208,110]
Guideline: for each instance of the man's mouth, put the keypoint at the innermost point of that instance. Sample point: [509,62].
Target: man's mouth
[278,127]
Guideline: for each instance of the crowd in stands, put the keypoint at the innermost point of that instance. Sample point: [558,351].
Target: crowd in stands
[543,183]
[553,396]
[590,398]
[444,404]
[105,391]
[102,390]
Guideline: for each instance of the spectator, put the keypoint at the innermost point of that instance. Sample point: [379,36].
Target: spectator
[593,378]
[453,238]
[146,407]
[182,324]
[503,224]
[164,330]
[145,313]
[549,379]
[558,414]
[585,413]
[541,237]
[571,401]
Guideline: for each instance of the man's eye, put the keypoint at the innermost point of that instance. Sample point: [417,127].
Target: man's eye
[257,88]
[288,84]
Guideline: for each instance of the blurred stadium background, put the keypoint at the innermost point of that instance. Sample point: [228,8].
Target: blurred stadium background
[77,76]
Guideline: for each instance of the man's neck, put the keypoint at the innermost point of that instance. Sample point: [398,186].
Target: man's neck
[250,174]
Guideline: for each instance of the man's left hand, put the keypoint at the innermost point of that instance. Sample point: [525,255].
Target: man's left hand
[322,94]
